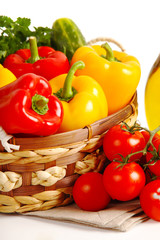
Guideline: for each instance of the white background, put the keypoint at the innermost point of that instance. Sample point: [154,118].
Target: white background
[135,24]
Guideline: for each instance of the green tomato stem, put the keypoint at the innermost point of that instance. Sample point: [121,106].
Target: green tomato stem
[132,130]
[149,143]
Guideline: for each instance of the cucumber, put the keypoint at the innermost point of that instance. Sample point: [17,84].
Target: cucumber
[66,37]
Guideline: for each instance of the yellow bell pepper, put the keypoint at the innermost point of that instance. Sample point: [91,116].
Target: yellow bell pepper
[83,99]
[117,73]
[6,76]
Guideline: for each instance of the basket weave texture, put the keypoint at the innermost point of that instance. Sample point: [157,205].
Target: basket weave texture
[42,173]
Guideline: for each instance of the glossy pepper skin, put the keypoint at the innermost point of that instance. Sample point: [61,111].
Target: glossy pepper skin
[82,98]
[116,72]
[43,61]
[28,107]
[6,76]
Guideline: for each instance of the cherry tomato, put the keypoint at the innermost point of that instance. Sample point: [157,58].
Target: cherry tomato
[146,136]
[89,192]
[117,141]
[154,167]
[124,182]
[150,176]
[150,199]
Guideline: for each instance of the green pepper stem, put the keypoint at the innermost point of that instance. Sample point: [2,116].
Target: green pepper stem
[67,92]
[109,56]
[40,104]
[34,50]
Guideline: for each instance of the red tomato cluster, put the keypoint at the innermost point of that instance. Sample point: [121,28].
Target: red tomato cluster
[133,171]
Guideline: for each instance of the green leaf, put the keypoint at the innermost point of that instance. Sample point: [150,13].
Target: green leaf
[43,35]
[5,21]
[24,22]
[3,54]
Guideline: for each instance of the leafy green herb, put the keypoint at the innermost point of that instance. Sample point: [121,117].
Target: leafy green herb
[14,35]
[43,35]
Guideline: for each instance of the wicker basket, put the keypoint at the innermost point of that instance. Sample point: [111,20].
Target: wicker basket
[41,174]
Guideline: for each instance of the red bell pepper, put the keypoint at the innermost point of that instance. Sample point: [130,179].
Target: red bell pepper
[44,61]
[28,107]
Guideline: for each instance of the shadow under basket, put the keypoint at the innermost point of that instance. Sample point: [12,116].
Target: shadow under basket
[42,173]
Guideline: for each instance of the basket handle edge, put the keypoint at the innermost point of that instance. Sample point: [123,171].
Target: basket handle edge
[105,39]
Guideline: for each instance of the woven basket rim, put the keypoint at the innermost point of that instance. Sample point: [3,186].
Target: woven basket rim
[78,135]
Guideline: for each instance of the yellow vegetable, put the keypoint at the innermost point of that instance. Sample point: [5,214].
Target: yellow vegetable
[6,76]
[152,105]
[116,72]
[83,99]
